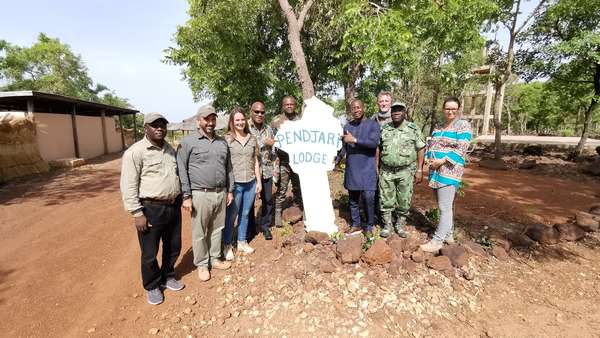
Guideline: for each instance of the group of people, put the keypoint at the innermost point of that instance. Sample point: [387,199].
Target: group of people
[217,179]
[385,156]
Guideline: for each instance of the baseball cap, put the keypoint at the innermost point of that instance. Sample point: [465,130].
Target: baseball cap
[398,104]
[206,111]
[151,117]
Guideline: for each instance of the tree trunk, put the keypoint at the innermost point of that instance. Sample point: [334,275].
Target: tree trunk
[509,118]
[294,27]
[589,114]
[498,122]
[350,88]
[434,104]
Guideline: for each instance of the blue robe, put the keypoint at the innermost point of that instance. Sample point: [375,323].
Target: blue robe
[361,173]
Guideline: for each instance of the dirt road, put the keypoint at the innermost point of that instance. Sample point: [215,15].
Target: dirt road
[69,259]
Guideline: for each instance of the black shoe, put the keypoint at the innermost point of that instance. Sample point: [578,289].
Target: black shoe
[267,234]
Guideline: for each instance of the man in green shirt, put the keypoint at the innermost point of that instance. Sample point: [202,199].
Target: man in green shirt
[402,150]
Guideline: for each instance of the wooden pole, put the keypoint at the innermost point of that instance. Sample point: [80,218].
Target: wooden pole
[74,125]
[30,107]
[134,128]
[104,137]
[122,132]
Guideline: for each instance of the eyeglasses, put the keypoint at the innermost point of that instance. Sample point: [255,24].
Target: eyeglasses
[259,112]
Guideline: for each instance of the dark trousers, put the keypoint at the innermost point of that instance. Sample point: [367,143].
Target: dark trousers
[368,198]
[266,210]
[285,176]
[166,226]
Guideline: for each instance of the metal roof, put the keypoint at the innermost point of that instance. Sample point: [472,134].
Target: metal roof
[57,104]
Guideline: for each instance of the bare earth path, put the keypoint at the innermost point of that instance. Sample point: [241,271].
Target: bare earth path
[69,267]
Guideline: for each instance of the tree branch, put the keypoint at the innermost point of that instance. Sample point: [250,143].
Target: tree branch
[303,13]
[534,13]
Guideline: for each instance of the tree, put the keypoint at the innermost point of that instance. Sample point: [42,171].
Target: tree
[565,45]
[50,66]
[510,12]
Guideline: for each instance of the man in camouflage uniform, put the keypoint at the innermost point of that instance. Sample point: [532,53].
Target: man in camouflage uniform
[402,150]
[285,172]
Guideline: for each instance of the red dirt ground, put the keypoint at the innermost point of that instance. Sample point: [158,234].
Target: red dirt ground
[69,260]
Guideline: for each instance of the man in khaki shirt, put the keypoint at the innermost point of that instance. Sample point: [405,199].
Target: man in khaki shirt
[152,194]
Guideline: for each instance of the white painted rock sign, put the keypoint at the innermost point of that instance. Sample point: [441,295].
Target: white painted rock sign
[312,144]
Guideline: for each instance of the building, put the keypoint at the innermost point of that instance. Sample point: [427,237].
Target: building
[57,128]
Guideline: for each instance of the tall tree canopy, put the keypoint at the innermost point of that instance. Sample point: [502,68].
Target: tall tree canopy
[565,46]
[50,66]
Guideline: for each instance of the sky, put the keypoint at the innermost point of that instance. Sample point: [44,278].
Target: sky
[120,42]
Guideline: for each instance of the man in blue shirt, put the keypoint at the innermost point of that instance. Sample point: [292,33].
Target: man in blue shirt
[361,139]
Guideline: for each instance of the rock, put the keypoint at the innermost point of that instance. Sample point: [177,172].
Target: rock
[397,246]
[153,331]
[458,255]
[595,209]
[587,221]
[418,256]
[395,268]
[316,237]
[569,232]
[308,247]
[520,240]
[409,266]
[468,275]
[499,252]
[493,164]
[327,266]
[91,330]
[292,215]
[543,234]
[190,300]
[503,242]
[440,263]
[349,250]
[527,164]
[533,150]
[379,253]
[175,320]
[474,248]
[592,168]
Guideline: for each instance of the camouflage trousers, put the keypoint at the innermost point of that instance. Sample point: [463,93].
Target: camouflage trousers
[285,176]
[395,190]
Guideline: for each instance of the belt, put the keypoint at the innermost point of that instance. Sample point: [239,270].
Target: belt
[158,201]
[395,168]
[219,189]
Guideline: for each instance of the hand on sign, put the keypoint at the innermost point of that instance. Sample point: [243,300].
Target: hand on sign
[348,138]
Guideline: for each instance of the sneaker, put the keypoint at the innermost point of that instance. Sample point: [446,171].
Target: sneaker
[203,273]
[219,264]
[155,297]
[431,246]
[355,230]
[229,252]
[243,247]
[173,284]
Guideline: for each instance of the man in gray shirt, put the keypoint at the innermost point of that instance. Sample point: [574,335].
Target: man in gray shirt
[206,175]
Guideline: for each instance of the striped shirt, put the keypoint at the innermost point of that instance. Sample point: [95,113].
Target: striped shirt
[451,143]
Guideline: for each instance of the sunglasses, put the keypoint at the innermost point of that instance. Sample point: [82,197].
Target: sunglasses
[259,112]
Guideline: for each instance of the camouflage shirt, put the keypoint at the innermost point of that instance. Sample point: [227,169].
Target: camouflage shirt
[399,146]
[267,153]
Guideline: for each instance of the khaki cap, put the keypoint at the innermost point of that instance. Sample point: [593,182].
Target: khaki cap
[206,111]
[151,117]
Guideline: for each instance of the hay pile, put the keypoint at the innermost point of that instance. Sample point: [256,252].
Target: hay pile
[19,152]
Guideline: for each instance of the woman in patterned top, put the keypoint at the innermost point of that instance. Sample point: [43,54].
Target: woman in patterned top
[446,155]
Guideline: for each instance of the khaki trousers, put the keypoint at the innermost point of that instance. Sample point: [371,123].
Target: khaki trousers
[208,221]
